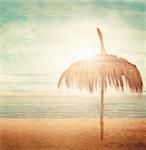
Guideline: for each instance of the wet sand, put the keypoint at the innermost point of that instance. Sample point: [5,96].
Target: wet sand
[72,134]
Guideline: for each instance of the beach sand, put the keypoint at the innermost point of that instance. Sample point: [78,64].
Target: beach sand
[72,134]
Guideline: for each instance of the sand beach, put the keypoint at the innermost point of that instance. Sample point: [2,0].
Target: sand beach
[72,134]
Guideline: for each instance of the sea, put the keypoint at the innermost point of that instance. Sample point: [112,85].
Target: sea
[72,106]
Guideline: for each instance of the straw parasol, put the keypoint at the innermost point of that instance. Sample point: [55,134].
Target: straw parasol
[101,71]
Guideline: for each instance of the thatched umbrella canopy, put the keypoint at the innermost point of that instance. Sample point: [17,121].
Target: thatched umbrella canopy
[101,71]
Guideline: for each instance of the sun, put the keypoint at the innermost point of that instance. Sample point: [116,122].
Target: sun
[86,53]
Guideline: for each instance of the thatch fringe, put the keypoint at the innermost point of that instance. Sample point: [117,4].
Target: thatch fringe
[106,70]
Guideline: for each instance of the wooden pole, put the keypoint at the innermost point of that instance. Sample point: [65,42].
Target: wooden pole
[103,50]
[102,113]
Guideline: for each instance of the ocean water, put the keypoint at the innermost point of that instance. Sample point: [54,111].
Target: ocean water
[71,106]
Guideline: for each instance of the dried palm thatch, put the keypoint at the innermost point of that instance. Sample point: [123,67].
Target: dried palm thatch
[101,71]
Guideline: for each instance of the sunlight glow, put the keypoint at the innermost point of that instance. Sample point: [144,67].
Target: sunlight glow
[84,54]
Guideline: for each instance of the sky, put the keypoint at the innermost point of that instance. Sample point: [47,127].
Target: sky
[41,38]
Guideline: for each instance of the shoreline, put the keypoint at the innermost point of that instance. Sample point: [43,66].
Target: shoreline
[72,133]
